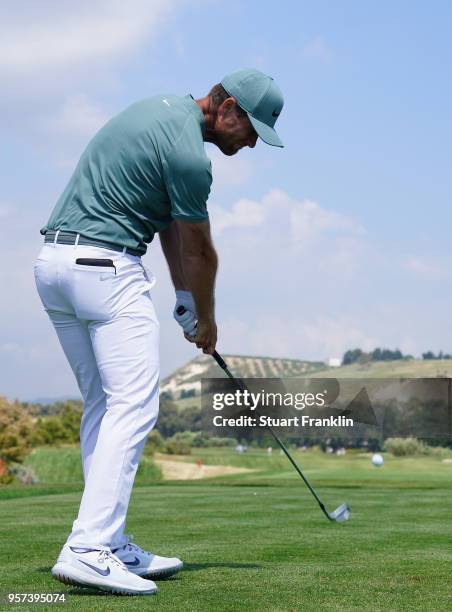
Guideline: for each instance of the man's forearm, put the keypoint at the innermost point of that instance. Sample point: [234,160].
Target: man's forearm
[170,241]
[200,272]
[193,263]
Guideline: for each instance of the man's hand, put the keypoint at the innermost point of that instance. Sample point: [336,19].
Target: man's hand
[188,319]
[206,336]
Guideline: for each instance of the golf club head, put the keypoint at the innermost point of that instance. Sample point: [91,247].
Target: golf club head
[341,514]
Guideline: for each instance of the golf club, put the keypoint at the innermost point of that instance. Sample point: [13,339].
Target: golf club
[342,512]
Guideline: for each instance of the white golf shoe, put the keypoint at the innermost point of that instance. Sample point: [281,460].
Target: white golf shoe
[146,564]
[100,569]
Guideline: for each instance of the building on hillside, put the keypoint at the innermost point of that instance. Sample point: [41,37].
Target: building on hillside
[334,362]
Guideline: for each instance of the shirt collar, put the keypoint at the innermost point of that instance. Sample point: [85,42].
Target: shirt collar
[198,111]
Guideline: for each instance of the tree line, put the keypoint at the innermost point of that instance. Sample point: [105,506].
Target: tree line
[26,426]
[383,354]
[440,355]
[378,354]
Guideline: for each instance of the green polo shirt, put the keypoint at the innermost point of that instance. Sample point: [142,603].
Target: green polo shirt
[144,168]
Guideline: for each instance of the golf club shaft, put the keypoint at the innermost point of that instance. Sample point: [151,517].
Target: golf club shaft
[239,384]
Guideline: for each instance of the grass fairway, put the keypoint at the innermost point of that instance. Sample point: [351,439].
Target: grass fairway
[258,541]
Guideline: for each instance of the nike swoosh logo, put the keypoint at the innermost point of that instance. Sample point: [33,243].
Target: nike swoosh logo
[82,551]
[102,572]
[133,563]
[275,114]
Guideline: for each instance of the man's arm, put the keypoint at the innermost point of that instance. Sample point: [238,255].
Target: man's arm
[193,263]
[170,241]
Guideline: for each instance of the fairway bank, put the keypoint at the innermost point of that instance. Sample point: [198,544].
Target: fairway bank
[180,470]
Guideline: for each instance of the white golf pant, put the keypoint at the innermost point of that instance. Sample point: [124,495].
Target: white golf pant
[107,326]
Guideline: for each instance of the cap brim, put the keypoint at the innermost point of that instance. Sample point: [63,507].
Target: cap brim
[266,132]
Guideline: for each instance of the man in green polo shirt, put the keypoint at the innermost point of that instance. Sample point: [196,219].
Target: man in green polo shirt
[144,172]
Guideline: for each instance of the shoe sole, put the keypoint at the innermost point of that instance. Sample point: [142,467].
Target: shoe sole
[165,573]
[66,574]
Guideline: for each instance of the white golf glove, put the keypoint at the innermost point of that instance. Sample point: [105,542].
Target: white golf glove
[189,319]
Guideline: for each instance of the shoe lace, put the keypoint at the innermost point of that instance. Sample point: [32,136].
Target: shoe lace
[132,547]
[107,555]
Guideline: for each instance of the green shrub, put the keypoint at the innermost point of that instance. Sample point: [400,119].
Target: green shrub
[405,447]
[155,443]
[16,427]
[221,442]
[147,472]
[62,427]
[180,443]
[6,479]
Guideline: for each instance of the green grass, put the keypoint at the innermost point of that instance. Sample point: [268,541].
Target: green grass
[259,542]
[55,465]
[354,470]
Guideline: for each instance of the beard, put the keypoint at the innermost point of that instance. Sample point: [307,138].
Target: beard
[225,145]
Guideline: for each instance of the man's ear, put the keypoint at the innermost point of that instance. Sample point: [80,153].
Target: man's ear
[226,106]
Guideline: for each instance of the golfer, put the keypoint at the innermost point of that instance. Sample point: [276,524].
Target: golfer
[145,172]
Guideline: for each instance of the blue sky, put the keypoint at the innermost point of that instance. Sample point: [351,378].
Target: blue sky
[339,240]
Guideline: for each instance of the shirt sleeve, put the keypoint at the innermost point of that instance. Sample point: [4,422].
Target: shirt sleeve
[188,178]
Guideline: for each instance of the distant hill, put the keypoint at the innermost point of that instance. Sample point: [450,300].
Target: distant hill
[409,368]
[187,379]
[52,400]
[184,384]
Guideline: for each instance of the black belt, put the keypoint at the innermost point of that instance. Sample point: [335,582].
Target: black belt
[71,238]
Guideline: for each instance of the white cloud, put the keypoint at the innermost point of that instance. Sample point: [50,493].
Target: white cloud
[309,220]
[9,347]
[244,213]
[294,257]
[303,281]
[5,211]
[331,337]
[302,221]
[65,131]
[280,238]
[296,337]
[77,117]
[426,268]
[283,289]
[53,35]
[229,171]
[317,49]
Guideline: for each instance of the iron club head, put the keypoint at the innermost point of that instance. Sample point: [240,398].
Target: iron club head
[341,514]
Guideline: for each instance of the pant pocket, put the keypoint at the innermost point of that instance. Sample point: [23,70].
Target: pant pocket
[93,292]
[149,277]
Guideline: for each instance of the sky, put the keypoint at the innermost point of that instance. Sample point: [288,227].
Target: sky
[339,240]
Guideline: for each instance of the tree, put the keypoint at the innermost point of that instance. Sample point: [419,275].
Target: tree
[376,354]
[63,427]
[352,356]
[16,427]
[187,393]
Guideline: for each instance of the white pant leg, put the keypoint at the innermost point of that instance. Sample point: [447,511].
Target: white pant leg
[126,351]
[123,329]
[76,343]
